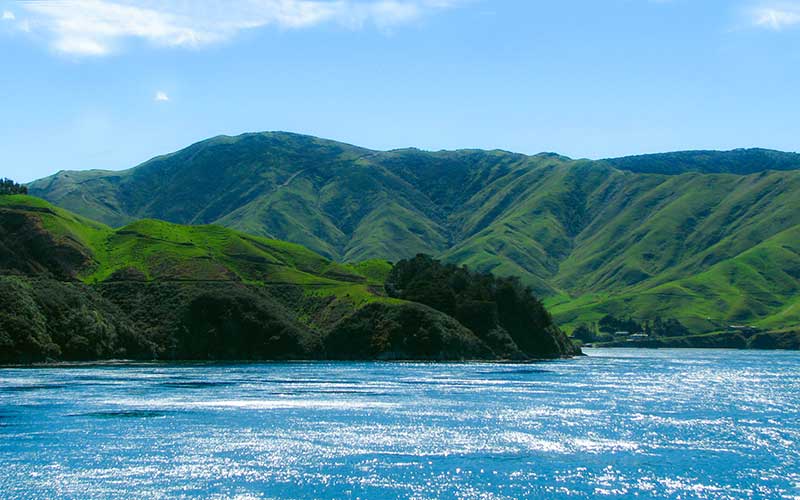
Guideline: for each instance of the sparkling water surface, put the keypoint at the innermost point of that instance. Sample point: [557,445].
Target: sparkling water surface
[618,423]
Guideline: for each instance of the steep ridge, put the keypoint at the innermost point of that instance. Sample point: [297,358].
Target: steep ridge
[738,161]
[595,231]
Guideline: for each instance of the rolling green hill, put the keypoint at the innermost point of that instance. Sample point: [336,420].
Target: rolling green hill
[72,288]
[668,234]
[154,250]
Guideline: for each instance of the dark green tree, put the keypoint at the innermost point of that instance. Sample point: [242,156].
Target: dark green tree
[7,186]
[584,333]
[498,310]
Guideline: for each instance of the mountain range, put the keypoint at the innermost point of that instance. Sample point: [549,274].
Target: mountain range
[707,237]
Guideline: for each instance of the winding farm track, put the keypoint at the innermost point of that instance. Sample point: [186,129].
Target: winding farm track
[289,180]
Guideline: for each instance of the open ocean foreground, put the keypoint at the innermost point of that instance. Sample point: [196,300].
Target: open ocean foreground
[618,423]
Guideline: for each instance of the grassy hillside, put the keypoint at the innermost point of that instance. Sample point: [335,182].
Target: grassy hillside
[72,288]
[591,236]
[324,195]
[156,250]
[736,290]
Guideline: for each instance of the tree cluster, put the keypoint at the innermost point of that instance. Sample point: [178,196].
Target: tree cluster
[7,186]
[610,324]
[45,319]
[501,311]
[405,331]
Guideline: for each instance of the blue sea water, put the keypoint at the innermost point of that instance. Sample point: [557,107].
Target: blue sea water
[618,423]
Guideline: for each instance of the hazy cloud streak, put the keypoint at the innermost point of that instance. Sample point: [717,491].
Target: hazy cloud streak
[98,27]
[777,16]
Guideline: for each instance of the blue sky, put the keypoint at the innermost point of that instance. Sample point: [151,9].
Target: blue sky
[102,84]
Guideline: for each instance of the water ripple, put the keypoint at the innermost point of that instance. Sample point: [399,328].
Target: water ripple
[619,423]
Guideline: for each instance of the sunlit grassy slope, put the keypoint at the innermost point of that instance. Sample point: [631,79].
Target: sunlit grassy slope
[152,250]
[60,223]
[747,288]
[640,236]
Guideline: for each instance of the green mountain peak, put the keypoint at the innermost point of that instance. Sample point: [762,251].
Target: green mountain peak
[588,235]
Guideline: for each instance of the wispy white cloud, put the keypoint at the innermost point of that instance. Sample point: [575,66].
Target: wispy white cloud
[161,96]
[99,27]
[775,17]
[8,15]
